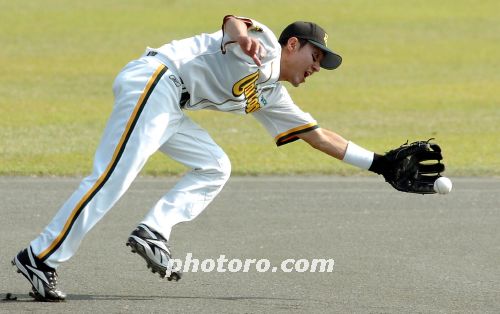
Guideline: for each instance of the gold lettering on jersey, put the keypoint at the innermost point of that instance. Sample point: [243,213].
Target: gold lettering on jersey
[247,87]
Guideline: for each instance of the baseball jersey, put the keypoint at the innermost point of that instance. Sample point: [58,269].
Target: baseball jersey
[218,75]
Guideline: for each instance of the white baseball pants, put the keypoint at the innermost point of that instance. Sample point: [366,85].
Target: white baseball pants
[146,118]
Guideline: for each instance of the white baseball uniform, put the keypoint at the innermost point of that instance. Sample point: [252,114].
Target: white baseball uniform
[202,72]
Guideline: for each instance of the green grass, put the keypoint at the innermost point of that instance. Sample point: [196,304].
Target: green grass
[412,70]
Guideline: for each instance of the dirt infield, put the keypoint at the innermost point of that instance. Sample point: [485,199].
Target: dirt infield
[393,252]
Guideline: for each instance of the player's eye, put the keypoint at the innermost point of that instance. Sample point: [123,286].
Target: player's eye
[316,55]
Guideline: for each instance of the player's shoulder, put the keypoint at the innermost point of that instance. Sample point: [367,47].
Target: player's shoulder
[257,28]
[260,28]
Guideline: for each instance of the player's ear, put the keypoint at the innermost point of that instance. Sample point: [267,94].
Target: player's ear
[293,44]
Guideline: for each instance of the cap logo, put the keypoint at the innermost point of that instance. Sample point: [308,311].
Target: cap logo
[325,39]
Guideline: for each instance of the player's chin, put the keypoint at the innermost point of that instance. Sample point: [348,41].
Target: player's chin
[298,81]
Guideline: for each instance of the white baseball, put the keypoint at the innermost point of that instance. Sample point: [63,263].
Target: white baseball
[443,185]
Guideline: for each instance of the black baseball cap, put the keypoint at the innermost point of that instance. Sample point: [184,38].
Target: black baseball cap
[315,35]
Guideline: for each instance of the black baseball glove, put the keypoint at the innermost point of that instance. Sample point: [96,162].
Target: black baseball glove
[411,168]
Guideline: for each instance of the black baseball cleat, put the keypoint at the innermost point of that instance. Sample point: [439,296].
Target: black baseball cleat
[153,247]
[43,278]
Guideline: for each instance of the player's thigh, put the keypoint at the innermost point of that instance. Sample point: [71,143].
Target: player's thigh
[192,146]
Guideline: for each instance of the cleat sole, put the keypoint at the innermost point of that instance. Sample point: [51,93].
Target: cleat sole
[174,277]
[154,269]
[39,298]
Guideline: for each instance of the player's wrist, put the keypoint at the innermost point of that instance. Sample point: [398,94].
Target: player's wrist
[379,165]
[358,156]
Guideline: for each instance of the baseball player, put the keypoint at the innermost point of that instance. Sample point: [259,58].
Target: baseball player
[237,69]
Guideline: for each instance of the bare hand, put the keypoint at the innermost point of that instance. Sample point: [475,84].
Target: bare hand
[250,47]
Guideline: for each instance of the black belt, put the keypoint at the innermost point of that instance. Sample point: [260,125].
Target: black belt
[184,99]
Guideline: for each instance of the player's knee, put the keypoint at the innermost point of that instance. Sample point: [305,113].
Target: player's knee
[224,167]
[218,172]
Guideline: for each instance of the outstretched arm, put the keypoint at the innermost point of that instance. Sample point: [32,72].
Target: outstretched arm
[410,168]
[237,30]
[326,141]
[336,146]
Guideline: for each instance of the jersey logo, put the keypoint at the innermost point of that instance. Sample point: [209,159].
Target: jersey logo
[247,87]
[256,29]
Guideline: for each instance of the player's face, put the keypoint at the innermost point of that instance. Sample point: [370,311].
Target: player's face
[300,63]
